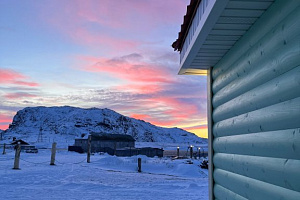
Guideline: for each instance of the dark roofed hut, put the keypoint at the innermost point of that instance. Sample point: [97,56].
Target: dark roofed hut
[100,142]
[22,142]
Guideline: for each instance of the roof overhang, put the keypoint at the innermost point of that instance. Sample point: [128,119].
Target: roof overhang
[216,26]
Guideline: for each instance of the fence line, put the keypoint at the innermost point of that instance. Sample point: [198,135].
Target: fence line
[6,159]
[71,163]
[34,162]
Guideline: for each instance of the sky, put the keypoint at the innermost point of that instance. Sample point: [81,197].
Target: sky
[112,54]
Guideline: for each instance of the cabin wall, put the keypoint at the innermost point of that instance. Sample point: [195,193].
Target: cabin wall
[256,111]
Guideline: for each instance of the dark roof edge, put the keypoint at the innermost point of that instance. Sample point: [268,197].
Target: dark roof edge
[187,21]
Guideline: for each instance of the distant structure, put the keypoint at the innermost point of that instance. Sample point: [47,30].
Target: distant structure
[113,144]
[101,141]
[26,147]
[40,136]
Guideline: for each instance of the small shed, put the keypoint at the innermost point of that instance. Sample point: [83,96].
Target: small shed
[25,146]
[99,141]
[22,142]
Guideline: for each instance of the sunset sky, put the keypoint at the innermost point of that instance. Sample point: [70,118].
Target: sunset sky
[112,54]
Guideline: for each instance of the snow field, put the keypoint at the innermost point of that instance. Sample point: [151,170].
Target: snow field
[106,177]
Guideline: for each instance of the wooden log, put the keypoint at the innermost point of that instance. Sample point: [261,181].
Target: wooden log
[271,18]
[223,193]
[284,32]
[277,144]
[275,91]
[252,189]
[17,157]
[53,152]
[89,149]
[280,116]
[278,63]
[276,171]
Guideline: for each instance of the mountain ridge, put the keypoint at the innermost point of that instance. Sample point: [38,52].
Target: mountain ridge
[51,123]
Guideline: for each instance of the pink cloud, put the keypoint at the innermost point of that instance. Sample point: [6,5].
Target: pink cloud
[19,95]
[129,69]
[115,25]
[140,88]
[122,13]
[8,76]
[140,116]
[5,121]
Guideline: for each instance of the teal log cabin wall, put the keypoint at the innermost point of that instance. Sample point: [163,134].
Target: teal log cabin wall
[256,110]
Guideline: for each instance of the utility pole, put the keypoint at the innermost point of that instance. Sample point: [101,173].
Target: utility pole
[40,136]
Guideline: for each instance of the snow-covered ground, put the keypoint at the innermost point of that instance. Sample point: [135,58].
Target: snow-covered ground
[106,177]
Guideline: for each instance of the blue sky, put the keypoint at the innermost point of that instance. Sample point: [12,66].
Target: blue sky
[105,54]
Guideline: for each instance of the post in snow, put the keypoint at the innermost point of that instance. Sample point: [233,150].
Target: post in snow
[177,152]
[17,156]
[53,152]
[4,149]
[191,151]
[139,165]
[89,149]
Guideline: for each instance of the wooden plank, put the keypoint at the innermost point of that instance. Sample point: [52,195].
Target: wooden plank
[275,91]
[259,5]
[275,40]
[276,171]
[223,193]
[216,42]
[219,55]
[223,37]
[210,135]
[280,116]
[197,65]
[211,46]
[206,59]
[242,13]
[275,144]
[264,25]
[256,73]
[228,26]
[228,32]
[237,20]
[213,51]
[251,188]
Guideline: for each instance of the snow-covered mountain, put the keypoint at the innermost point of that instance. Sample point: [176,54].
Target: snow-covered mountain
[49,124]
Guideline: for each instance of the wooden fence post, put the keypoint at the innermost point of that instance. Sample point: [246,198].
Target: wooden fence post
[89,149]
[191,151]
[4,149]
[53,151]
[139,165]
[17,157]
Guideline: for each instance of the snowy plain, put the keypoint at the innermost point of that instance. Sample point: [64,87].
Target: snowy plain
[106,177]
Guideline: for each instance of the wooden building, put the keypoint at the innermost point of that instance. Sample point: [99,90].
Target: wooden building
[114,144]
[250,52]
[101,141]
